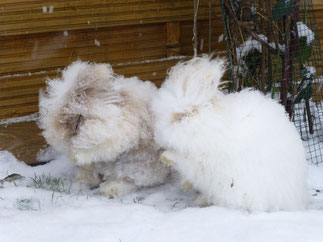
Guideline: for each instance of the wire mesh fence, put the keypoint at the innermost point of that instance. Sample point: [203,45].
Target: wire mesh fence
[274,46]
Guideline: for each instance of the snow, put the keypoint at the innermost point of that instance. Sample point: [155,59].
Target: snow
[51,9]
[251,44]
[220,38]
[253,9]
[163,213]
[30,74]
[177,57]
[44,9]
[28,118]
[310,70]
[247,46]
[97,43]
[304,31]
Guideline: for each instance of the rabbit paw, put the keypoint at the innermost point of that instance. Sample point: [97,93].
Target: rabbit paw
[201,201]
[117,188]
[167,158]
[187,186]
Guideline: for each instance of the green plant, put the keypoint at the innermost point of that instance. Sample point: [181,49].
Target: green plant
[51,183]
[28,204]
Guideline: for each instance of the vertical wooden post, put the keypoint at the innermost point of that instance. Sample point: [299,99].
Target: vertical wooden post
[173,34]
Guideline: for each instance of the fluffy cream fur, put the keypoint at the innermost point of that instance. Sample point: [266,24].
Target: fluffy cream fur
[103,122]
[239,150]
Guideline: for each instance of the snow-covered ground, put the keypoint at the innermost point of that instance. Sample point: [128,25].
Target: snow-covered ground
[47,205]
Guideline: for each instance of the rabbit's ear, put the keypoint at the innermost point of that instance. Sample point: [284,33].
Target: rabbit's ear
[103,71]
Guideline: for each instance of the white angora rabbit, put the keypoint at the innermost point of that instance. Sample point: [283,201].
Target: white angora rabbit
[239,150]
[104,123]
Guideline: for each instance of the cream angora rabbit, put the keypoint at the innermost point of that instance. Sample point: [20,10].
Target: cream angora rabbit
[104,123]
[239,150]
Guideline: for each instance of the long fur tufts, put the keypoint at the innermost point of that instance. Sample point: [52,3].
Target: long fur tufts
[239,150]
[103,120]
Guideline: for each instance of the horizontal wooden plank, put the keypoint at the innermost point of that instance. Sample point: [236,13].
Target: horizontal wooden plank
[25,81]
[145,67]
[39,65]
[61,11]
[24,2]
[29,18]
[110,35]
[76,35]
[18,110]
[120,44]
[11,94]
[10,84]
[87,48]
[81,22]
[23,140]
[13,101]
[11,5]
[18,101]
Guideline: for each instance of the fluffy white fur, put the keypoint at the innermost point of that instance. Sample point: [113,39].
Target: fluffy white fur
[104,123]
[239,150]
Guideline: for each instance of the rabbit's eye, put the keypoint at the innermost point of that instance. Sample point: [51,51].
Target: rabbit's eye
[72,123]
[78,122]
[75,124]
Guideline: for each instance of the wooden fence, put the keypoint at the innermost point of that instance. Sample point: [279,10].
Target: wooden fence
[38,38]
